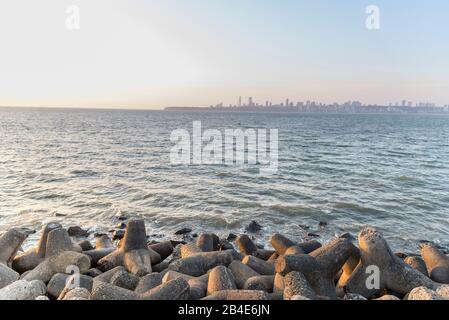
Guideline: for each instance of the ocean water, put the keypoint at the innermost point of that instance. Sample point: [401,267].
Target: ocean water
[85,167]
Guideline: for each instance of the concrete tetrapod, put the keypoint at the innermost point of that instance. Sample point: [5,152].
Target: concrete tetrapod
[296,284]
[437,263]
[58,264]
[320,267]
[23,290]
[31,258]
[199,264]
[103,247]
[10,243]
[238,295]
[220,278]
[133,252]
[395,274]
[241,273]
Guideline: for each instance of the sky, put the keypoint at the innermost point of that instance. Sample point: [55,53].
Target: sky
[160,53]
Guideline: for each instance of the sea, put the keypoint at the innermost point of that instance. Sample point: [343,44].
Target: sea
[336,174]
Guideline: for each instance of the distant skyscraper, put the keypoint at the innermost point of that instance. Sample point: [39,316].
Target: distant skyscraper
[250,102]
[240,101]
[287,102]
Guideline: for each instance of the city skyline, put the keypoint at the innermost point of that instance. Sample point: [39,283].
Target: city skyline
[156,54]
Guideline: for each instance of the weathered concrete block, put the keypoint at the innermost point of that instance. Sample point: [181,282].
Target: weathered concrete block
[23,290]
[220,278]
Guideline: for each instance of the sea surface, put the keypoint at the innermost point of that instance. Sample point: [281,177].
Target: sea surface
[87,167]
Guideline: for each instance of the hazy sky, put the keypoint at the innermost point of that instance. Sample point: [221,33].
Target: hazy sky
[157,53]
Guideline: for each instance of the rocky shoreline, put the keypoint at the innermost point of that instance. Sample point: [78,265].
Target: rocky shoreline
[210,268]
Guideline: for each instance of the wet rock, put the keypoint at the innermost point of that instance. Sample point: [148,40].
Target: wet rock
[347,236]
[183,231]
[323,224]
[253,227]
[23,290]
[77,231]
[220,278]
[231,237]
[118,234]
[313,235]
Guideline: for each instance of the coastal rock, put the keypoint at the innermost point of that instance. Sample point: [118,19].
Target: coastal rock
[133,253]
[183,231]
[437,263]
[58,264]
[118,234]
[220,278]
[253,227]
[395,274]
[77,231]
[23,290]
